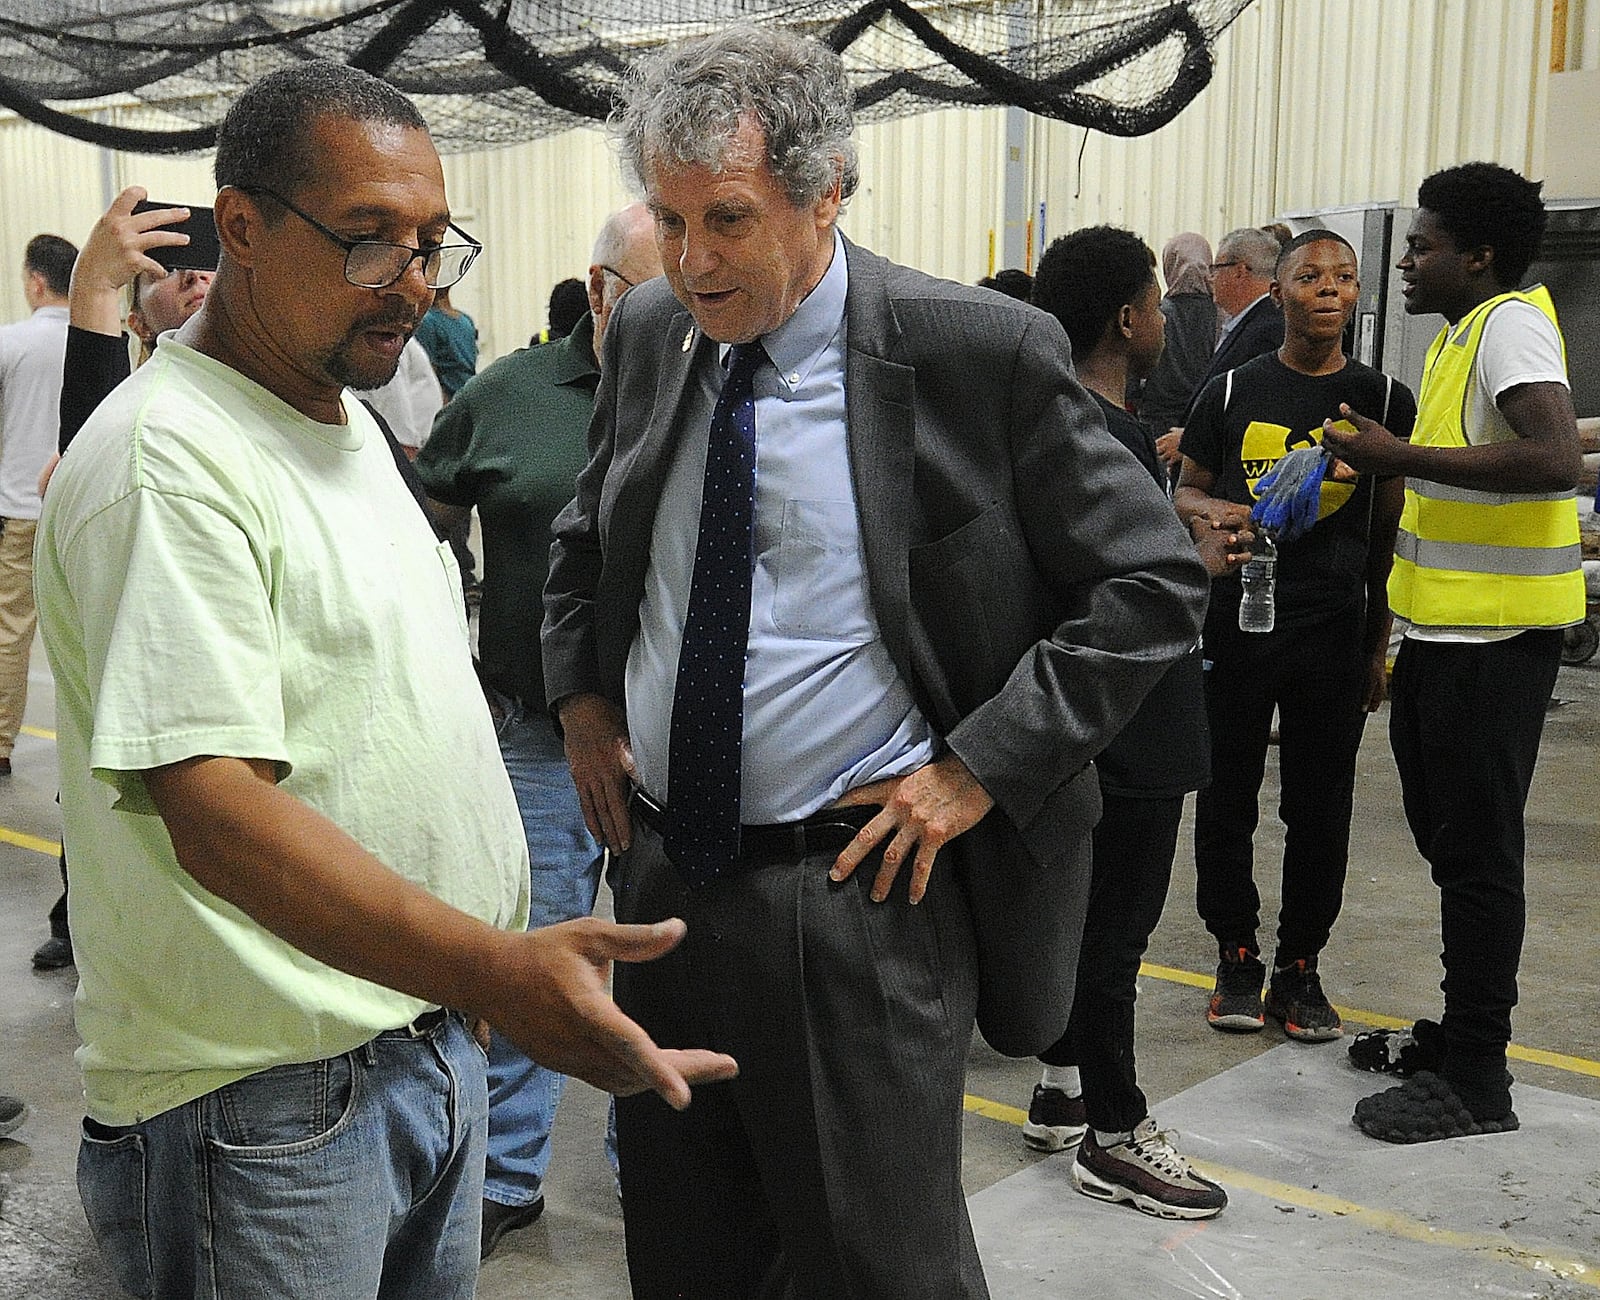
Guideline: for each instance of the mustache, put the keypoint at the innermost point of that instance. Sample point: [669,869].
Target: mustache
[405,321]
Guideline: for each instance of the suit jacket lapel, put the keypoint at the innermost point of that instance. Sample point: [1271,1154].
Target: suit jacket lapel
[679,347]
[1236,336]
[644,460]
[879,414]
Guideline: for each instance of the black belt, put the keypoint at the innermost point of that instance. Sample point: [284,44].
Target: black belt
[827,831]
[421,1027]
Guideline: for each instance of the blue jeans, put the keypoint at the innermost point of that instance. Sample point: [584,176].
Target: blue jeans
[564,865]
[355,1177]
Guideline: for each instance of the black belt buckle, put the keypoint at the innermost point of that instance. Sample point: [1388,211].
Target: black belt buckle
[651,813]
[425,1024]
[828,831]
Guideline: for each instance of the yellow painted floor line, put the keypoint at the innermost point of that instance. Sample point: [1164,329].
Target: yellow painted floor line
[51,848]
[1533,1055]
[1389,1223]
[996,1110]
[39,732]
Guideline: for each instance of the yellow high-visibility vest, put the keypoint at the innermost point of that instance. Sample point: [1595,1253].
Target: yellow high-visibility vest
[1481,560]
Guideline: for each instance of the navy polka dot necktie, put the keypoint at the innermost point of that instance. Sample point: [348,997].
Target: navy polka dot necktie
[703,752]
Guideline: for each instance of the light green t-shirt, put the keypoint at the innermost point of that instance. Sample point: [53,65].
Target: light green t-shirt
[218,574]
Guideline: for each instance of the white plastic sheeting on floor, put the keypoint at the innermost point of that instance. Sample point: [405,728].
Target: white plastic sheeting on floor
[1317,1210]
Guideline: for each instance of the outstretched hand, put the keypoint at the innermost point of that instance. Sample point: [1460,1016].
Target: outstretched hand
[1370,448]
[550,999]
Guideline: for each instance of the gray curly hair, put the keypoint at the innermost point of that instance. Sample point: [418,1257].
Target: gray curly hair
[684,103]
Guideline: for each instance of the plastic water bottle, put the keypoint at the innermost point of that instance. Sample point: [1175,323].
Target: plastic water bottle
[1257,609]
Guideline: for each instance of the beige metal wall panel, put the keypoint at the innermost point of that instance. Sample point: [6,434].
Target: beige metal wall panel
[931,190]
[52,185]
[1583,35]
[166,180]
[1572,157]
[1196,173]
[537,208]
[1316,103]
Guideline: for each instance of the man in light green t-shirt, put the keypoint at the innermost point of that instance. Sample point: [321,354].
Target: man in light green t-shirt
[293,837]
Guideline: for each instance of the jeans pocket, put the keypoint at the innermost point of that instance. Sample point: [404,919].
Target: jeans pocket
[285,1111]
[111,1182]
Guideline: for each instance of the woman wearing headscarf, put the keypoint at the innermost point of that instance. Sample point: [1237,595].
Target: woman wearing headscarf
[1191,319]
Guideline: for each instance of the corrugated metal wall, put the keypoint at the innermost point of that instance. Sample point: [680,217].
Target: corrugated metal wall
[1583,35]
[537,207]
[1315,103]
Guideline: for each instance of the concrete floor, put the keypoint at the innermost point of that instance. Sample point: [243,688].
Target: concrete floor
[1383,962]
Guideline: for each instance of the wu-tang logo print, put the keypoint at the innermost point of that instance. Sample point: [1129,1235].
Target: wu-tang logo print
[1266,444]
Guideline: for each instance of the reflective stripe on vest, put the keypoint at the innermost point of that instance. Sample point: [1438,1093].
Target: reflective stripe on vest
[1471,559]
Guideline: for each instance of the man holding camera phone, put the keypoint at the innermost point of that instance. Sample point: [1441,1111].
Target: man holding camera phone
[169,256]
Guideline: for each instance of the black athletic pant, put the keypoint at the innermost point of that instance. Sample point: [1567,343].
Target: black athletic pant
[1465,722]
[1133,848]
[1314,676]
[58,912]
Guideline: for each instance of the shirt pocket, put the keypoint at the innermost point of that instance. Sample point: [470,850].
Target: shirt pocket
[819,583]
[452,579]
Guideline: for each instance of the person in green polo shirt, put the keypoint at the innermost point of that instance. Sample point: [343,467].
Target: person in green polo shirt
[511,443]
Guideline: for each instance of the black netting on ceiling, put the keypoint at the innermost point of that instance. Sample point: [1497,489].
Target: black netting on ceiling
[160,73]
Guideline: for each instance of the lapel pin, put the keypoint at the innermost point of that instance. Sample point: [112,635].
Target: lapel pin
[688,339]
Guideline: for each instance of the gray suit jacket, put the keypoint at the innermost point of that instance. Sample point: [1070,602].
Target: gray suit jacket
[1030,581]
[1260,330]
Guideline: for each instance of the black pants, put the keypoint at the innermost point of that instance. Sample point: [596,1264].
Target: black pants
[1133,848]
[1314,676]
[1465,722]
[831,1166]
[58,911]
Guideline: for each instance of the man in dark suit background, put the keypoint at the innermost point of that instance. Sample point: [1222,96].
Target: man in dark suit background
[868,588]
[1241,278]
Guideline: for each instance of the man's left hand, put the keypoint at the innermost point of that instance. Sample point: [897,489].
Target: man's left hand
[1376,688]
[925,811]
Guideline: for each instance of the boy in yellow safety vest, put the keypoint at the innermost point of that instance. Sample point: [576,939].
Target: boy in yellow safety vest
[1486,573]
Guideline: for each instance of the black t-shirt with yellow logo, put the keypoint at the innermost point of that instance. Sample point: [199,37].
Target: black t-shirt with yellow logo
[1241,435]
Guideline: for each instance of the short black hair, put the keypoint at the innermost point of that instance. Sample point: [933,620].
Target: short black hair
[52,257]
[265,140]
[1086,277]
[569,300]
[1484,204]
[1012,282]
[1317,235]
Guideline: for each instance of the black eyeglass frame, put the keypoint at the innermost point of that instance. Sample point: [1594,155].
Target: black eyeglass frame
[611,270]
[472,246]
[1223,266]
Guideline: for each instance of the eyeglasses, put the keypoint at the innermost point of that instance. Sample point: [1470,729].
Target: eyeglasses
[1222,266]
[373,264]
[611,270]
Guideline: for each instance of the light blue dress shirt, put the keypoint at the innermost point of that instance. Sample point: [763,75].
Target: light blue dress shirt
[824,708]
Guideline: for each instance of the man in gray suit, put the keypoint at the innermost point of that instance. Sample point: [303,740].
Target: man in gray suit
[853,590]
